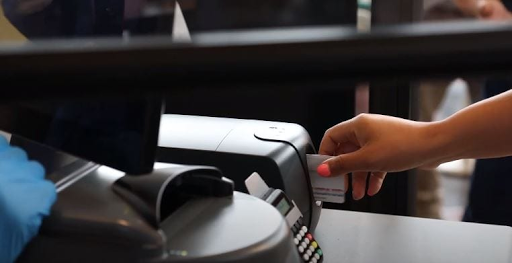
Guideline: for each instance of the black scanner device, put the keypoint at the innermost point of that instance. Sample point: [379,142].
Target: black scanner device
[178,213]
[239,147]
[146,211]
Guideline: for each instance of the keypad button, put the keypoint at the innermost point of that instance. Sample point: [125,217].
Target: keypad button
[298,236]
[306,241]
[295,229]
[317,256]
[303,245]
[302,233]
[309,236]
[319,252]
[314,244]
[301,250]
[296,241]
[304,228]
[311,248]
[309,252]
[305,257]
[313,260]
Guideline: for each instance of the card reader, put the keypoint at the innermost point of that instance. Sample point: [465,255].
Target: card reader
[276,150]
[307,246]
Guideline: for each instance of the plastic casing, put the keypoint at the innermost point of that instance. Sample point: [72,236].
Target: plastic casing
[91,223]
[238,147]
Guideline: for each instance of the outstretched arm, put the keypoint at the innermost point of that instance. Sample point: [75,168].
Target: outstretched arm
[379,144]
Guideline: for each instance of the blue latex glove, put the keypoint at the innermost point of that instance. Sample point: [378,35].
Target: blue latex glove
[25,198]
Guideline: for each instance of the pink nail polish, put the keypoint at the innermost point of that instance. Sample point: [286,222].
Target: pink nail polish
[323,170]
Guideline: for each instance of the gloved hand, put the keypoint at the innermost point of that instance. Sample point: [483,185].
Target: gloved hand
[25,198]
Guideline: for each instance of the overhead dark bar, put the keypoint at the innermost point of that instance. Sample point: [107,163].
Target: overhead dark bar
[227,59]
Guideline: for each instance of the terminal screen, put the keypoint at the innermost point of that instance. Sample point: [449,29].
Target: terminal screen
[283,206]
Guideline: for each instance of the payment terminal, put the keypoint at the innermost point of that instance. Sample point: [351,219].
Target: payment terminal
[307,246]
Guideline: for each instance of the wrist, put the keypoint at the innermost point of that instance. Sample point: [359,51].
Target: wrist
[443,145]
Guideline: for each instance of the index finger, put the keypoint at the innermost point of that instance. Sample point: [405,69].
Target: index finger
[336,135]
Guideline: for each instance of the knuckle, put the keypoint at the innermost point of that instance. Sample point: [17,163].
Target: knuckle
[379,175]
[362,120]
[363,117]
[328,132]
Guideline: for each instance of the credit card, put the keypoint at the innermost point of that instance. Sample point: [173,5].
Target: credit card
[325,189]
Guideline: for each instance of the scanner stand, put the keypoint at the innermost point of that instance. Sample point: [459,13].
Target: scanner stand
[161,193]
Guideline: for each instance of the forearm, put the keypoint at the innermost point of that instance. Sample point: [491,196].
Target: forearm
[483,130]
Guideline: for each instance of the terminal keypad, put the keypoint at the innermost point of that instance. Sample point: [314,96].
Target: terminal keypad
[307,246]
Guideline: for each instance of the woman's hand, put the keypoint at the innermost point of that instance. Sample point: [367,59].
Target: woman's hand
[374,145]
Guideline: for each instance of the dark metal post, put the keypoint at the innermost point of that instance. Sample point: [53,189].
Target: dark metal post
[398,195]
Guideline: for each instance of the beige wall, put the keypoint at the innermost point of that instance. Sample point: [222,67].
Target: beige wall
[7,31]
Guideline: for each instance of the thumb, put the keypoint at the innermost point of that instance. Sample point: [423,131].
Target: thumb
[345,163]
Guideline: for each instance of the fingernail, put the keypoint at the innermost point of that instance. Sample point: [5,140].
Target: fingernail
[323,170]
[356,196]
